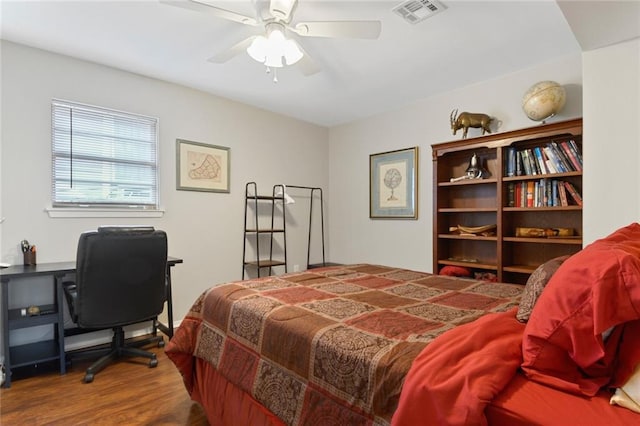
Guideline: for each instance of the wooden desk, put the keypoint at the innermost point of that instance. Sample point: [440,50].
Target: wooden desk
[50,350]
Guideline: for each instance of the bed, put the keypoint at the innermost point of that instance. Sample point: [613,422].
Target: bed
[375,345]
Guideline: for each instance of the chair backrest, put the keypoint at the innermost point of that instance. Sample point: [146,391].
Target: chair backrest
[120,276]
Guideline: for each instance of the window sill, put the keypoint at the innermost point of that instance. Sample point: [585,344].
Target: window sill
[97,212]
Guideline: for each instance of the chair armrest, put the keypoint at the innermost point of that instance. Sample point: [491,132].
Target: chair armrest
[71,294]
[70,287]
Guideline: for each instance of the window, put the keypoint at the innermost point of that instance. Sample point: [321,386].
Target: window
[103,158]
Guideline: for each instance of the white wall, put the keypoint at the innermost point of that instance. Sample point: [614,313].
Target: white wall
[408,243]
[205,229]
[611,138]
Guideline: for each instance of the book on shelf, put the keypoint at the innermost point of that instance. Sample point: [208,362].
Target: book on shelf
[555,197]
[564,160]
[556,166]
[530,192]
[526,164]
[540,160]
[519,168]
[511,194]
[521,195]
[534,163]
[511,162]
[576,150]
[546,160]
[564,201]
[573,192]
[547,200]
[572,154]
[550,166]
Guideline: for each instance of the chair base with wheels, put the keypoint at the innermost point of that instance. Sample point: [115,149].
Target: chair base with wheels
[119,348]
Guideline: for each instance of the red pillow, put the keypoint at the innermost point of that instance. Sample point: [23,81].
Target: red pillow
[455,271]
[594,290]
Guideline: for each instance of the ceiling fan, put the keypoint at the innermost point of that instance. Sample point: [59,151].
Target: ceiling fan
[274,49]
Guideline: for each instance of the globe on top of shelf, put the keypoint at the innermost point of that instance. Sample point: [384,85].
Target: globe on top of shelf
[543,100]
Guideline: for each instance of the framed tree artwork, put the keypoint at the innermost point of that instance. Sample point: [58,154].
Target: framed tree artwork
[202,167]
[393,184]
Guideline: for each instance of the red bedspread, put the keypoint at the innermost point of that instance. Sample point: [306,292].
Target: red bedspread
[331,345]
[457,375]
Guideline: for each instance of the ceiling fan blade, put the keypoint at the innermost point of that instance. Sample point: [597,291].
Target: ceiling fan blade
[203,7]
[282,9]
[234,50]
[346,29]
[306,65]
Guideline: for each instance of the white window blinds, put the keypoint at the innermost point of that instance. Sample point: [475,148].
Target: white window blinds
[103,158]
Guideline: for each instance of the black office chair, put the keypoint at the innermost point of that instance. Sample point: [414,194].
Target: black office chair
[120,280]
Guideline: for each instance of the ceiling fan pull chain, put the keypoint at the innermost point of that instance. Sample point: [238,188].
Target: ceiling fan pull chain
[275,73]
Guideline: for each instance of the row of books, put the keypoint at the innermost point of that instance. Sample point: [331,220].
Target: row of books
[542,193]
[554,157]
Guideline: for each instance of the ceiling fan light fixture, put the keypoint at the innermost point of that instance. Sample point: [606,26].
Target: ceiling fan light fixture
[292,52]
[275,50]
[273,61]
[258,48]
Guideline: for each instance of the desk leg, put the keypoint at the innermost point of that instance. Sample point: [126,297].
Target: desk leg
[60,325]
[5,332]
[168,329]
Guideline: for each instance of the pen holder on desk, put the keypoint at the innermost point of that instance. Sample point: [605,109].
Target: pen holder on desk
[29,257]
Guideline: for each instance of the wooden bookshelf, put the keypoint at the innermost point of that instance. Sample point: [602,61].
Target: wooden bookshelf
[484,201]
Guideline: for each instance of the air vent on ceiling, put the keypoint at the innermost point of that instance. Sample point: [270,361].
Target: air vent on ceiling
[414,11]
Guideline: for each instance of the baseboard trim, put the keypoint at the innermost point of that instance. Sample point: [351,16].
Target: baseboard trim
[81,341]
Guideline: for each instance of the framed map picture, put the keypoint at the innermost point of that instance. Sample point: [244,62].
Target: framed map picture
[202,167]
[393,184]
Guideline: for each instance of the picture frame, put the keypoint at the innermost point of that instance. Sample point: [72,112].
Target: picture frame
[202,167]
[393,184]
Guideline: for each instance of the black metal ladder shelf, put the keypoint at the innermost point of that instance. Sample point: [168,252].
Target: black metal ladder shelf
[260,262]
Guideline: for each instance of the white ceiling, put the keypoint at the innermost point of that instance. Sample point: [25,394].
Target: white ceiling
[470,41]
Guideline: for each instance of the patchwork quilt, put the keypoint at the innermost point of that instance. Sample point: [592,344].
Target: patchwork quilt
[331,344]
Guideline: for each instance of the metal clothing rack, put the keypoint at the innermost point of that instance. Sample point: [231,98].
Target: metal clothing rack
[319,190]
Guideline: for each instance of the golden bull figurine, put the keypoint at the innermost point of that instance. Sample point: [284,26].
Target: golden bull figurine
[469,119]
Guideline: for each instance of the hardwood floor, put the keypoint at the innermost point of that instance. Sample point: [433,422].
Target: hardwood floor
[127,392]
